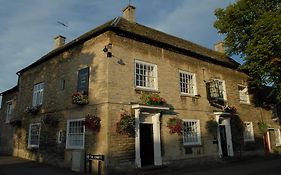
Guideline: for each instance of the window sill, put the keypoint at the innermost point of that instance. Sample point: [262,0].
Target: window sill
[193,145]
[190,96]
[146,89]
[74,148]
[244,103]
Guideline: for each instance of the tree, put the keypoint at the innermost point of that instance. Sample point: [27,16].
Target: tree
[252,29]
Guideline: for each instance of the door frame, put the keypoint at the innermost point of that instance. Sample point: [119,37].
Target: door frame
[155,118]
[225,121]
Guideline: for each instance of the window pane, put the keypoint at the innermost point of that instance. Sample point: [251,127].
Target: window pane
[83,80]
[191,132]
[76,133]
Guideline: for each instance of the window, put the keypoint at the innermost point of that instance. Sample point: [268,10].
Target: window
[83,80]
[191,132]
[145,75]
[34,135]
[38,94]
[243,94]
[277,137]
[75,134]
[9,111]
[62,84]
[187,83]
[248,132]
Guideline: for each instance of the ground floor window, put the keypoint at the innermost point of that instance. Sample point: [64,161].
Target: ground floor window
[248,132]
[75,137]
[191,132]
[34,135]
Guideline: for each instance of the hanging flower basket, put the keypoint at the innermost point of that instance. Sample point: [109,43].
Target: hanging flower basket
[32,109]
[126,124]
[152,99]
[16,123]
[80,98]
[175,125]
[92,122]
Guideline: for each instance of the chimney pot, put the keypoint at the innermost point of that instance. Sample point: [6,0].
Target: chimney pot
[219,47]
[59,41]
[129,13]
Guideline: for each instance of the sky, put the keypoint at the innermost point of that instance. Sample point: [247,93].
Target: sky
[27,27]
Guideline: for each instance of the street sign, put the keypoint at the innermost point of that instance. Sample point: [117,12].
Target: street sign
[95,157]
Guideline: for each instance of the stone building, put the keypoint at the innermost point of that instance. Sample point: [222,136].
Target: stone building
[123,68]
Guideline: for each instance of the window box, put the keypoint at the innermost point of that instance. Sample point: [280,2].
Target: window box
[32,109]
[153,99]
[80,98]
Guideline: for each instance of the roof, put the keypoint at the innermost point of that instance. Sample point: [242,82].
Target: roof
[13,89]
[144,34]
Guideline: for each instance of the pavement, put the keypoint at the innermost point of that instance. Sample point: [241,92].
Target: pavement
[253,166]
[17,166]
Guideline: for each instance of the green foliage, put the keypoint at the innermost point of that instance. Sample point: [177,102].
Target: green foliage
[252,30]
[263,127]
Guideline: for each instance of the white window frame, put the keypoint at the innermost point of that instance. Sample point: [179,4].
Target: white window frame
[38,92]
[246,98]
[251,136]
[155,76]
[277,137]
[29,136]
[9,111]
[67,134]
[187,86]
[198,142]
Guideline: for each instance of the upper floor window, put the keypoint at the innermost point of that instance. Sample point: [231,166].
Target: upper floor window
[145,75]
[191,132]
[83,80]
[9,111]
[38,90]
[217,89]
[243,94]
[188,83]
[34,135]
[248,132]
[75,136]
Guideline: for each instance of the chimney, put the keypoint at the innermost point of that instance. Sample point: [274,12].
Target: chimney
[219,47]
[129,13]
[59,41]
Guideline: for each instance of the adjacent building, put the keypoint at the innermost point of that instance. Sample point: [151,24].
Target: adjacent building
[123,68]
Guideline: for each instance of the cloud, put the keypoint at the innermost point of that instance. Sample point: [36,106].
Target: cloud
[27,28]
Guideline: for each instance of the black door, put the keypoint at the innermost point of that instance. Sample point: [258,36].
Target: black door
[223,141]
[146,144]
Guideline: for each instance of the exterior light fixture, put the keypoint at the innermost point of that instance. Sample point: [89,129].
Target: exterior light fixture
[107,50]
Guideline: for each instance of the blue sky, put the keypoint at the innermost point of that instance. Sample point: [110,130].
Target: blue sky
[27,27]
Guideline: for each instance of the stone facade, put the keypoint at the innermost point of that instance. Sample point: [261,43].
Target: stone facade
[112,90]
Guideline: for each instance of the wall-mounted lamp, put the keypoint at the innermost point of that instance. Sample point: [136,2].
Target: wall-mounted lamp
[107,50]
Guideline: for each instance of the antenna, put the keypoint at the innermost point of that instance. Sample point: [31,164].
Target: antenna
[64,25]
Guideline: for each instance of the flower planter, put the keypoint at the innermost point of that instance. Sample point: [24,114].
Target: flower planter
[80,98]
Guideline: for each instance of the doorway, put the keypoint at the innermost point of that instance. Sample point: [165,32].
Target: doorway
[146,144]
[223,140]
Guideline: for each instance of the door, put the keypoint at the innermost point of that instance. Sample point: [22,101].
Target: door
[223,141]
[146,144]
